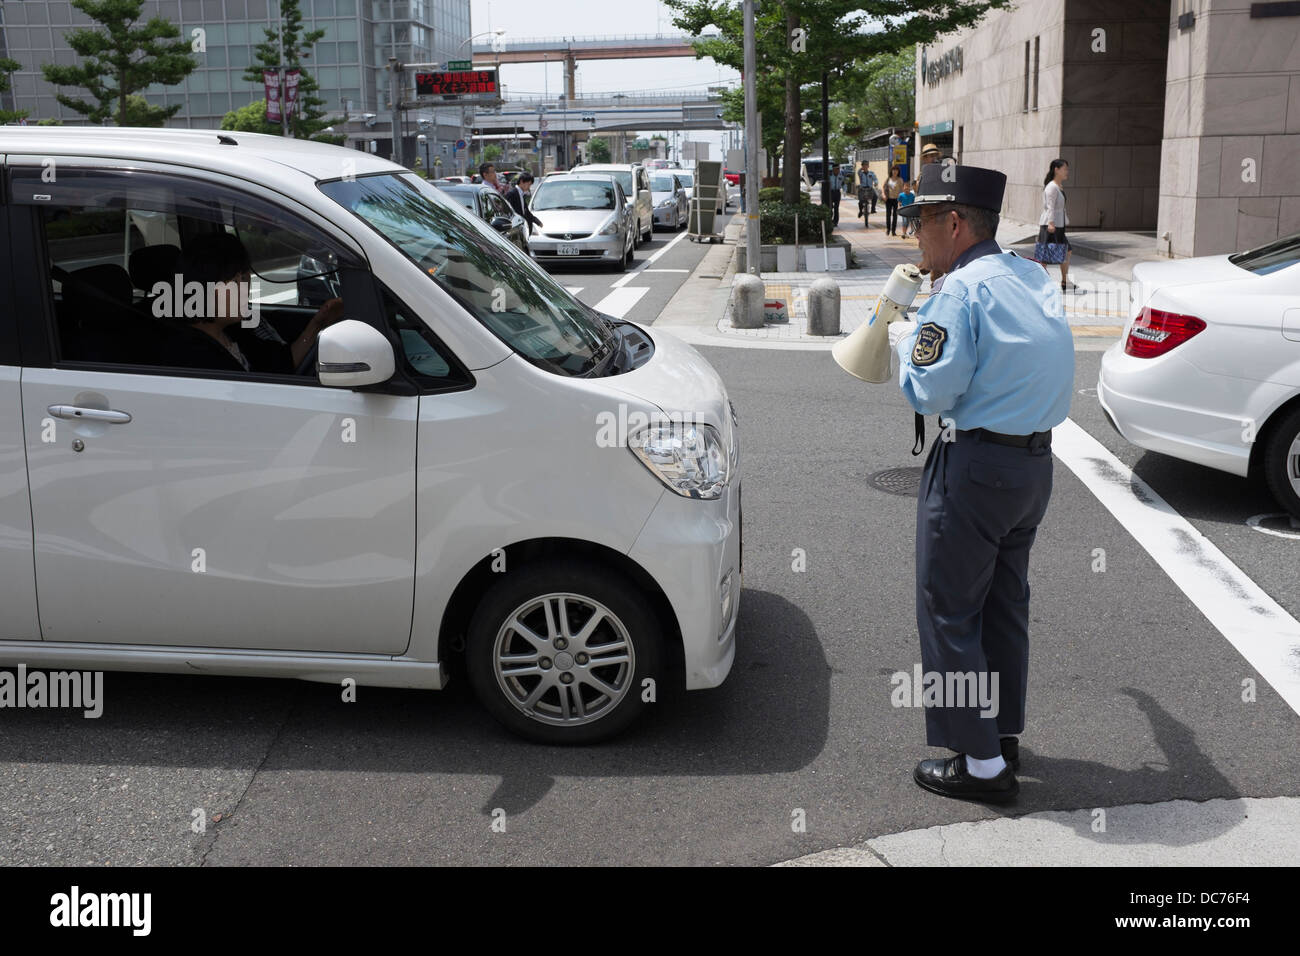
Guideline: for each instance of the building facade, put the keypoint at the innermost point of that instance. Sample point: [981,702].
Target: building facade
[1180,118]
[349,63]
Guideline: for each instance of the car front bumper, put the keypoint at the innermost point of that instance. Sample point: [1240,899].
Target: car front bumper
[668,216]
[691,548]
[592,249]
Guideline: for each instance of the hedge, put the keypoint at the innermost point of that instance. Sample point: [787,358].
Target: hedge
[777,220]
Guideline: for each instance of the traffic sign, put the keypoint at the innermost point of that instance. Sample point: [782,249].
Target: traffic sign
[460,144]
[459,65]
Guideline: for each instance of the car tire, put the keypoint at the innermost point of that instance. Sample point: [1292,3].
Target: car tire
[530,599]
[1281,463]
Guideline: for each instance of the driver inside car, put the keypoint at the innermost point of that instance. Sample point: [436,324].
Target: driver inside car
[221,258]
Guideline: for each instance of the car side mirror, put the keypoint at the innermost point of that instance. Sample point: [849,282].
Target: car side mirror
[500,223]
[350,354]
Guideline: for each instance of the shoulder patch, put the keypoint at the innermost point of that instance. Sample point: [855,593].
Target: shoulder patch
[929,344]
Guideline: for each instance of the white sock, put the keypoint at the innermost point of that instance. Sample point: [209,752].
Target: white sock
[985,769]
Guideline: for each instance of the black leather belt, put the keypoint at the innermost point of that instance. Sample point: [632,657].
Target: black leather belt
[1036,440]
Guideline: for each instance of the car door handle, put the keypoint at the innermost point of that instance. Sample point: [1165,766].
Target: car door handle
[76,412]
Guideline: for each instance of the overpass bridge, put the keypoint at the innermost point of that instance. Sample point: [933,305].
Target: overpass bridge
[572,49]
[611,112]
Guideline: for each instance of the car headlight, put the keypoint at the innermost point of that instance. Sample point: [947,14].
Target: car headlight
[688,458]
[610,228]
[664,203]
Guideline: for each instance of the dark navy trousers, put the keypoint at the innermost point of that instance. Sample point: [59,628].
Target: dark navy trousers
[977,512]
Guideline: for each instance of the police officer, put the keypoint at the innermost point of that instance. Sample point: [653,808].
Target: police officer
[993,356]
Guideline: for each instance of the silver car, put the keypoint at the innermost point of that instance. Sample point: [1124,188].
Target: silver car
[671,203]
[585,218]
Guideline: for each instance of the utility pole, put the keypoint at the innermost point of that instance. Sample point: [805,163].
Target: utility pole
[395,89]
[281,73]
[826,139]
[752,226]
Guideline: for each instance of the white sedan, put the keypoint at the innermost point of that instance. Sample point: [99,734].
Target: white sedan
[1208,369]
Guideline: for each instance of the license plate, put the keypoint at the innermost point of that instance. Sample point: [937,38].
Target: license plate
[570,250]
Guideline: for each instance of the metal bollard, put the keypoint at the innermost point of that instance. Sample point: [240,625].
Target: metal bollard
[747,295]
[824,307]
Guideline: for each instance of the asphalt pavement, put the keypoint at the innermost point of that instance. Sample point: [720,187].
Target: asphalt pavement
[1135,697]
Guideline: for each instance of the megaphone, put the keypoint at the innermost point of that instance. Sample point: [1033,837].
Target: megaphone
[865,353]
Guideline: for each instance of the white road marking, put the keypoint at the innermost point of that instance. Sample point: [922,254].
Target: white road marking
[1257,626]
[619,302]
[665,270]
[641,267]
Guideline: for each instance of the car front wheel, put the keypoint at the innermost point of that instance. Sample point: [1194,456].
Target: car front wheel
[1282,462]
[560,652]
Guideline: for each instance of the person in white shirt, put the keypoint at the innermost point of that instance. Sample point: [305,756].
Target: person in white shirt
[1052,222]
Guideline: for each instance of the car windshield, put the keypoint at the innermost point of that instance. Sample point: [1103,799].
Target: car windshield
[463,197]
[1270,257]
[686,179]
[502,288]
[623,176]
[662,184]
[575,194]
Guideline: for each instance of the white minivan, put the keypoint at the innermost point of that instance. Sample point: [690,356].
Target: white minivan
[281,409]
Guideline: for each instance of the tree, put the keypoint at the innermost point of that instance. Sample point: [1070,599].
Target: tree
[250,119]
[6,67]
[308,119]
[799,41]
[597,150]
[122,59]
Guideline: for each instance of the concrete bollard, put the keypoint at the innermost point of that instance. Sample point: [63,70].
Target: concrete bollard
[747,295]
[824,307]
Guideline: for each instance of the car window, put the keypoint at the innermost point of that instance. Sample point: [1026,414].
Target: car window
[427,360]
[157,272]
[491,279]
[663,184]
[500,207]
[1271,256]
[574,194]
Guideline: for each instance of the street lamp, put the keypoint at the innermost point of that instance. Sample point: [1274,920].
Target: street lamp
[459,49]
[424,141]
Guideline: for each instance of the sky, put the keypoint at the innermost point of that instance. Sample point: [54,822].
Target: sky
[524,19]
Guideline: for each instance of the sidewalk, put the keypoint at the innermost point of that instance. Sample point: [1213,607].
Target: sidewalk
[700,312]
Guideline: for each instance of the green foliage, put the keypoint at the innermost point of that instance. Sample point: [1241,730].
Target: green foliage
[250,119]
[8,66]
[491,152]
[597,150]
[121,59]
[770,194]
[777,220]
[308,119]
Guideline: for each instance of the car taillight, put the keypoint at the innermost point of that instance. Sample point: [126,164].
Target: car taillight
[1155,332]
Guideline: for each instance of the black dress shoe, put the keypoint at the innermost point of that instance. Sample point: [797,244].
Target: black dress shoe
[1011,752]
[950,778]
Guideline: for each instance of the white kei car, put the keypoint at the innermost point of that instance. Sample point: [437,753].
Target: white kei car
[1208,369]
[408,448]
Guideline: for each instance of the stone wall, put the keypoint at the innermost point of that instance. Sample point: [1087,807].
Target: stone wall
[1232,109]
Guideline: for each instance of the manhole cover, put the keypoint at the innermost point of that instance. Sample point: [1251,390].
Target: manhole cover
[897,481]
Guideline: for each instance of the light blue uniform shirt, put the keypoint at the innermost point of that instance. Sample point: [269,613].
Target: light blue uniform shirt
[992,347]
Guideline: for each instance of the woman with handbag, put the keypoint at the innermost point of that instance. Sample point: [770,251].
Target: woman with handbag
[1052,245]
[893,187]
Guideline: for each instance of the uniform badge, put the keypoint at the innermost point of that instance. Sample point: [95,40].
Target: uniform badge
[929,344]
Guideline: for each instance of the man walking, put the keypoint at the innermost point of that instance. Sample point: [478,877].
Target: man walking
[835,195]
[993,356]
[518,199]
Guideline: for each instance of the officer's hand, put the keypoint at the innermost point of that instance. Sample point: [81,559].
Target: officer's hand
[1051,227]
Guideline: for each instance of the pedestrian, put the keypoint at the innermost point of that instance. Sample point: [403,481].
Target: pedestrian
[893,187]
[874,183]
[518,199]
[864,193]
[835,194]
[1053,220]
[930,153]
[905,199]
[488,172]
[993,356]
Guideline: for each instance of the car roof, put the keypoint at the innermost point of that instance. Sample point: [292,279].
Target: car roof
[283,159]
[601,167]
[582,176]
[465,187]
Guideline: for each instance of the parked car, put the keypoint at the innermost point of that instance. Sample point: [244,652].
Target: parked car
[732,176]
[670,202]
[486,203]
[1208,369]
[417,482]
[635,181]
[585,218]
